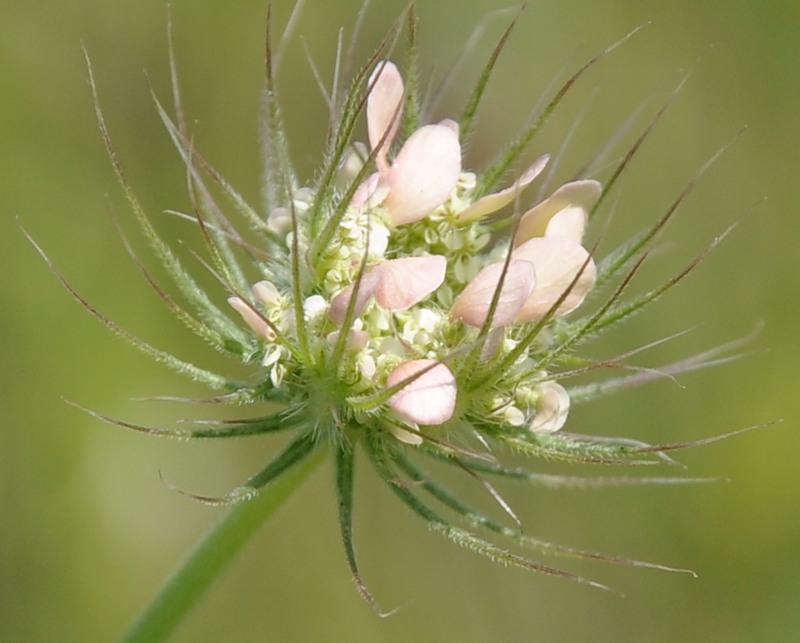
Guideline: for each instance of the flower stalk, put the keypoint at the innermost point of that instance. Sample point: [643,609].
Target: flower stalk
[186,587]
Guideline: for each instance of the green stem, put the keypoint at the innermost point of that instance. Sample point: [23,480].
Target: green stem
[187,585]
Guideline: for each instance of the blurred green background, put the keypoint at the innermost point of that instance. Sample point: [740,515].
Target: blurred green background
[87,528]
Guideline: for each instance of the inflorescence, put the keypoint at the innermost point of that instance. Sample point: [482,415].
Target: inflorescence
[406,306]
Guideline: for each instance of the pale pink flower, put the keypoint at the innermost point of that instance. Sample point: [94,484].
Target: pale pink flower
[424,173]
[266,294]
[396,284]
[472,305]
[493,202]
[547,259]
[557,262]
[549,236]
[251,317]
[564,213]
[428,399]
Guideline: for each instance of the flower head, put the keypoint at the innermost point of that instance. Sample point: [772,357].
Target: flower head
[403,305]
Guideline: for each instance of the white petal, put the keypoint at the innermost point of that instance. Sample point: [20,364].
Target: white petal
[424,173]
[314,306]
[414,439]
[556,262]
[251,317]
[279,221]
[404,282]
[339,304]
[426,319]
[513,416]
[266,293]
[366,365]
[579,196]
[428,399]
[378,240]
[384,109]
[472,305]
[552,408]
[493,202]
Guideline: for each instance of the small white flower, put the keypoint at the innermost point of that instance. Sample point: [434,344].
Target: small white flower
[279,221]
[266,293]
[366,366]
[552,408]
[314,306]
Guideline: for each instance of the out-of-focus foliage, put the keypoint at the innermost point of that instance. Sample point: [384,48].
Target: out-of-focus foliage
[88,530]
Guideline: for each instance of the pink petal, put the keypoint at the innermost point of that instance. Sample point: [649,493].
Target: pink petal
[556,261]
[428,399]
[338,308]
[251,317]
[404,282]
[578,196]
[384,109]
[472,305]
[493,202]
[424,173]
[552,408]
[569,223]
